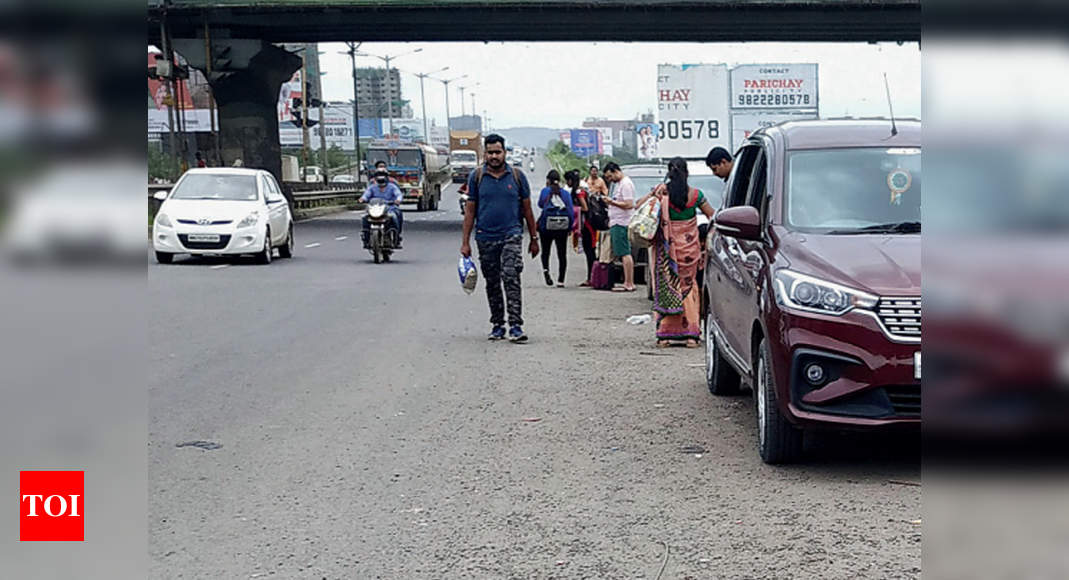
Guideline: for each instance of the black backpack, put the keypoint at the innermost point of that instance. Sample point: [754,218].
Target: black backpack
[597,213]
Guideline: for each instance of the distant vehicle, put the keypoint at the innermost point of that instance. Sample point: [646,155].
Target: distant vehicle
[223,211]
[813,280]
[466,153]
[311,174]
[343,179]
[419,170]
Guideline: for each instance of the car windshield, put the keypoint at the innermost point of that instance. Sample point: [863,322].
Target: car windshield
[464,156]
[394,157]
[222,187]
[710,185]
[860,190]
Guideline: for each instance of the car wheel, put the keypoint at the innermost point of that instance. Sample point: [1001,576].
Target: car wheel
[719,376]
[264,257]
[778,440]
[164,257]
[286,250]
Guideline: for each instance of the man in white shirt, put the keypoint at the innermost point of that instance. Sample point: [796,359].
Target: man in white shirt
[621,206]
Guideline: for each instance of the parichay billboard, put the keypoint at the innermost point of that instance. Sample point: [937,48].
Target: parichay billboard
[693,111]
[774,86]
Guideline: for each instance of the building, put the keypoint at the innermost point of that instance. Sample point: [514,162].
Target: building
[376,88]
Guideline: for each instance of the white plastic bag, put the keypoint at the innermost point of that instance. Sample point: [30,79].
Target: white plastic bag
[469,275]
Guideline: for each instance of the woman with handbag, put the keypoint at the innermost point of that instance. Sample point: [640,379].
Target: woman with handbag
[555,225]
[583,228]
[675,256]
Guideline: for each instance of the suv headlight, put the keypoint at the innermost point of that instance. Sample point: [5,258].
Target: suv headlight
[250,220]
[163,220]
[811,294]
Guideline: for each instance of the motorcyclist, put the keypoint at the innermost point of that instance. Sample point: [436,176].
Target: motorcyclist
[382,188]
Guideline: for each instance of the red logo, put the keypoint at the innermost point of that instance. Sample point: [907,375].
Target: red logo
[52,506]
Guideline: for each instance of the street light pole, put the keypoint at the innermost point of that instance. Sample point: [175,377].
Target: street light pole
[389,80]
[356,106]
[448,118]
[423,102]
[304,110]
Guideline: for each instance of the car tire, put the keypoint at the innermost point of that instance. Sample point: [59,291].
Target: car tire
[286,250]
[164,257]
[720,377]
[264,257]
[778,441]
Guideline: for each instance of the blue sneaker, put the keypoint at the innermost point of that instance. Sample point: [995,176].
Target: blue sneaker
[498,333]
[516,334]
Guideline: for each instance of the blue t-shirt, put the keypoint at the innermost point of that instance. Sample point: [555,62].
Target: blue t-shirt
[497,202]
[391,193]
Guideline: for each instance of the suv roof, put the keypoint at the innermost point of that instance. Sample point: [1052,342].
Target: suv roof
[825,133]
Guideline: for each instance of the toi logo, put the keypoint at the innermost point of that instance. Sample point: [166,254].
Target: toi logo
[51,506]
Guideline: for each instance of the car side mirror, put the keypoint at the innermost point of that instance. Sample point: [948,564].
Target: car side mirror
[743,222]
[160,196]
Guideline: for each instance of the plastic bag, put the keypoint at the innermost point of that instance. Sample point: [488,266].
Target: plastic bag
[469,275]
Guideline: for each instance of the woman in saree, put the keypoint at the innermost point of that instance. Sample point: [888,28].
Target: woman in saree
[675,256]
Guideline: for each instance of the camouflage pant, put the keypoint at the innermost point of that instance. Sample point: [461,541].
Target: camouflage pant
[502,261]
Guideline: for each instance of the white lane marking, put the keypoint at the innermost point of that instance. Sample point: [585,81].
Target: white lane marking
[312,245]
[220,266]
[341,238]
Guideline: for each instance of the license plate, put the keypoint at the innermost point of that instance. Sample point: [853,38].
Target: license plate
[917,365]
[204,237]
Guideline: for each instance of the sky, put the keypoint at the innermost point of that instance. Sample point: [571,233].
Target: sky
[559,85]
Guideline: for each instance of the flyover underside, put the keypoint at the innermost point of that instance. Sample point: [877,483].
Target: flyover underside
[657,23]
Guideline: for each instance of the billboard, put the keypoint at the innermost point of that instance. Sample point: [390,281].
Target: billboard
[194,121]
[338,129]
[774,86]
[646,140]
[585,142]
[693,112]
[160,93]
[566,138]
[743,124]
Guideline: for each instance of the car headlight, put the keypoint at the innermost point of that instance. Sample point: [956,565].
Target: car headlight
[811,294]
[250,220]
[163,220]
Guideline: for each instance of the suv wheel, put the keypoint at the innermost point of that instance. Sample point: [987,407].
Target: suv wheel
[721,378]
[778,440]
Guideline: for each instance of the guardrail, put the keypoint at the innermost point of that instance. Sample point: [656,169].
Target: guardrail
[304,202]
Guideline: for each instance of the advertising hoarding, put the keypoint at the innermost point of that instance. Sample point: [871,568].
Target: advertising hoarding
[774,86]
[693,112]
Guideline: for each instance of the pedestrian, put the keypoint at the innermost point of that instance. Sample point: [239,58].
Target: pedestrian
[621,207]
[200,160]
[555,224]
[595,184]
[499,197]
[676,255]
[584,231]
[720,162]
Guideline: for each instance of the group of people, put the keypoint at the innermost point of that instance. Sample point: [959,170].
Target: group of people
[499,208]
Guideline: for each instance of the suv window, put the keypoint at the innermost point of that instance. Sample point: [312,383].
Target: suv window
[758,182]
[740,176]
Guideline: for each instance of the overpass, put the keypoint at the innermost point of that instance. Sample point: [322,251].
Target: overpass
[247,69]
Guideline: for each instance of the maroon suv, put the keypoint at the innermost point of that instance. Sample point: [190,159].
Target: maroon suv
[814,279]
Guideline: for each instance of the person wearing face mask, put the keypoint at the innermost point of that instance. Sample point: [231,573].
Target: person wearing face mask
[382,188]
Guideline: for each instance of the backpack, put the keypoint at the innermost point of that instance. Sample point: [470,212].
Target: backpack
[519,185]
[597,214]
[554,217]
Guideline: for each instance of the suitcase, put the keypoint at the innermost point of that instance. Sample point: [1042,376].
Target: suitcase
[601,276]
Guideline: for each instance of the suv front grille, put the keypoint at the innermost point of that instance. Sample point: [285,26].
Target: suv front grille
[901,316]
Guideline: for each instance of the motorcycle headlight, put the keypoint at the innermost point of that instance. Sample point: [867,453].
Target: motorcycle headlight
[163,220]
[250,220]
[811,294]
[377,210]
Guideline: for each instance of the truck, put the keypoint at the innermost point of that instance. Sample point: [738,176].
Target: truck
[419,170]
[465,153]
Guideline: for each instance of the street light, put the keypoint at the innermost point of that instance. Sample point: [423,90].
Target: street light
[423,101]
[389,87]
[356,104]
[448,120]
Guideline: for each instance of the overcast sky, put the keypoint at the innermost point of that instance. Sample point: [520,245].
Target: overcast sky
[558,85]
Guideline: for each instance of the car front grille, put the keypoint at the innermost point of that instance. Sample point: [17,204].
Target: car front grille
[901,316]
[211,223]
[222,243]
[905,400]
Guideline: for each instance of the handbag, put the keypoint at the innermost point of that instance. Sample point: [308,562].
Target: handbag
[556,223]
[645,221]
[604,249]
[597,213]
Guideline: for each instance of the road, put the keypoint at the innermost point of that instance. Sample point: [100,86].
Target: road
[354,423]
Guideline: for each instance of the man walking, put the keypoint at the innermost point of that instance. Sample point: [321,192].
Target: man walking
[621,206]
[499,197]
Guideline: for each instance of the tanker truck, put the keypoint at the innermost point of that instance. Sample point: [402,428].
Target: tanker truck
[419,170]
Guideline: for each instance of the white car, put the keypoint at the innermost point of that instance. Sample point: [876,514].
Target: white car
[223,211]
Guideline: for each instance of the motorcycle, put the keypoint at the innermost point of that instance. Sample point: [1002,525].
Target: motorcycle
[382,237]
[531,166]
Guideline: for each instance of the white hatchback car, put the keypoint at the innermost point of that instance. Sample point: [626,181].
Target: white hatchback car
[223,211]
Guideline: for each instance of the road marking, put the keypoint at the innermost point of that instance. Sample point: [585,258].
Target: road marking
[220,266]
[341,238]
[312,245]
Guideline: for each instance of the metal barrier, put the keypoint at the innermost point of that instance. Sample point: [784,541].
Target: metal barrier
[302,200]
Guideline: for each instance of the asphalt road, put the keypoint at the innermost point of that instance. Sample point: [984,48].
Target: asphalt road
[353,422]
